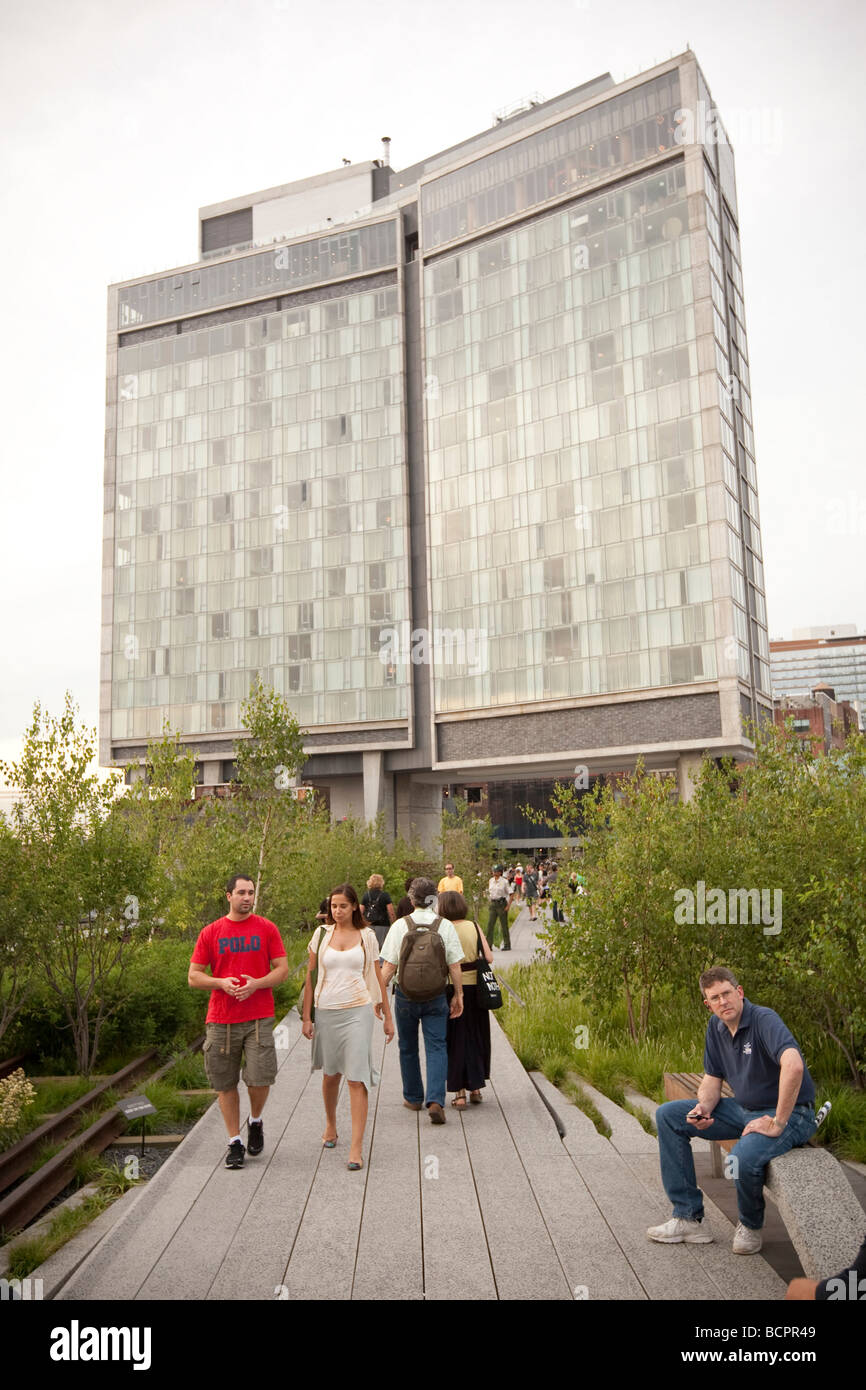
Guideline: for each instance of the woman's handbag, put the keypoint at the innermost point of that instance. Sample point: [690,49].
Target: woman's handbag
[489,994]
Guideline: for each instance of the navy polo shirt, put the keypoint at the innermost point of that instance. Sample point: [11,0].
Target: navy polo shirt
[749,1061]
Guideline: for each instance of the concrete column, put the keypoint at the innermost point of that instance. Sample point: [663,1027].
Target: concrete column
[419,809]
[688,768]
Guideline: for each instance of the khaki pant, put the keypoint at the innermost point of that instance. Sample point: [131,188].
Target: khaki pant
[225,1043]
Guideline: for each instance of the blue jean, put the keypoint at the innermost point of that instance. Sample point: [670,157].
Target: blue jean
[753,1153]
[433,1017]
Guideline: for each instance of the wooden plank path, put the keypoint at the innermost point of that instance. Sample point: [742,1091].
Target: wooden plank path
[492,1205]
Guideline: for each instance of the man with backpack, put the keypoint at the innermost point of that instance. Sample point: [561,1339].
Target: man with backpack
[423,950]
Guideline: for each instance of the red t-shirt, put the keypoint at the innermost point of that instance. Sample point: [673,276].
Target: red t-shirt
[239,948]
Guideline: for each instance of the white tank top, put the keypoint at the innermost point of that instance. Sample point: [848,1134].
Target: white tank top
[343,986]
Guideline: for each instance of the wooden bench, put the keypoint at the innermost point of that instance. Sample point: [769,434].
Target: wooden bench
[824,1220]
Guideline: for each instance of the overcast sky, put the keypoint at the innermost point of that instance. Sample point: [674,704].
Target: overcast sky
[120,121]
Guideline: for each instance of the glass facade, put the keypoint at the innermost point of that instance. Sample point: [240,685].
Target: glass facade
[288,267]
[567,502]
[599,144]
[842,665]
[260,520]
[581,442]
[737,436]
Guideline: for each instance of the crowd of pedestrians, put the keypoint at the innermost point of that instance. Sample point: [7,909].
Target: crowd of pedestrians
[440,962]
[429,945]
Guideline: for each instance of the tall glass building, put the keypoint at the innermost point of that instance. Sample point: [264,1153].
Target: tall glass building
[457,458]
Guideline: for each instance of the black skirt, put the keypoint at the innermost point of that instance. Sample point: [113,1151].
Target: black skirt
[469,1045]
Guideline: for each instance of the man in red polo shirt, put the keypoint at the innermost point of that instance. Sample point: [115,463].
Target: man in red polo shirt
[247,958]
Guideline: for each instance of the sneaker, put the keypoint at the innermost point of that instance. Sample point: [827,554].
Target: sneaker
[437,1114]
[678,1230]
[255,1137]
[235,1155]
[746,1241]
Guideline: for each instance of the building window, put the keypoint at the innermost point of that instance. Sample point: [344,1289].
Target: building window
[262,561]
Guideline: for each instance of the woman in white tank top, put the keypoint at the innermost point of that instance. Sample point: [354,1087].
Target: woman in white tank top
[348,992]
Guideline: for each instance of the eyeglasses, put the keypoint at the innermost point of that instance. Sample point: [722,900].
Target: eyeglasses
[722,998]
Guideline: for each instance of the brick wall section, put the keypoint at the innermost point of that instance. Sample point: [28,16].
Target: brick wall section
[371,736]
[671,720]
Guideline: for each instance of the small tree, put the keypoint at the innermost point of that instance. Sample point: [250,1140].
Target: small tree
[17,906]
[619,937]
[267,762]
[91,912]
[804,820]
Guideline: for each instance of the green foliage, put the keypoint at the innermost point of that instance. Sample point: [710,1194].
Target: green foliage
[788,825]
[172,1108]
[468,842]
[17,974]
[543,1036]
[25,1256]
[82,927]
[157,1008]
[317,856]
[267,762]
[188,1073]
[578,1097]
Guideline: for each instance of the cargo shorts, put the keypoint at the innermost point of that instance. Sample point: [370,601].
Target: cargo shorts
[225,1043]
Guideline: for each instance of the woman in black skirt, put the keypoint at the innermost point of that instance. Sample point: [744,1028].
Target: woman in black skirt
[468,1035]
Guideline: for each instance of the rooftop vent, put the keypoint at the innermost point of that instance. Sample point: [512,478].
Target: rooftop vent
[517,108]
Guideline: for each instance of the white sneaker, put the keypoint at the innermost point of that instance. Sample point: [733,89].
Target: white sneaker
[746,1241]
[679,1229]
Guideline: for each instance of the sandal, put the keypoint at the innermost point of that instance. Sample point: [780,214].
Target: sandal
[330,1143]
[475,1097]
[459,1101]
[355,1167]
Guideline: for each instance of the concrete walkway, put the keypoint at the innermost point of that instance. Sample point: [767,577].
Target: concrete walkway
[491,1206]
[525,945]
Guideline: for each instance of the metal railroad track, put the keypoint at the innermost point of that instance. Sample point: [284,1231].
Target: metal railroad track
[21,1202]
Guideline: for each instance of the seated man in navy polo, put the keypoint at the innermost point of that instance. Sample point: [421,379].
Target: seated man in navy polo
[772,1111]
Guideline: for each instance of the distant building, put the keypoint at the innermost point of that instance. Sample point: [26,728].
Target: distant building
[815,656]
[819,718]
[458,458]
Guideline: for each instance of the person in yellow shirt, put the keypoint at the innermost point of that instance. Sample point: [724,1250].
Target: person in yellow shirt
[451,883]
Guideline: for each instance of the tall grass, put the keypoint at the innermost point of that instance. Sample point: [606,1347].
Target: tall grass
[28,1255]
[544,1036]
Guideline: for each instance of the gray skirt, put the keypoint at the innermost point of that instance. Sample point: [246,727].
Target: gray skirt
[343,1043]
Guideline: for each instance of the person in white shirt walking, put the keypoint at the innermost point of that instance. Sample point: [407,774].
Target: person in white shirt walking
[500,893]
[431,1013]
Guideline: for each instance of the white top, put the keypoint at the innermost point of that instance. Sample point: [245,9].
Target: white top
[499,887]
[331,960]
[344,986]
